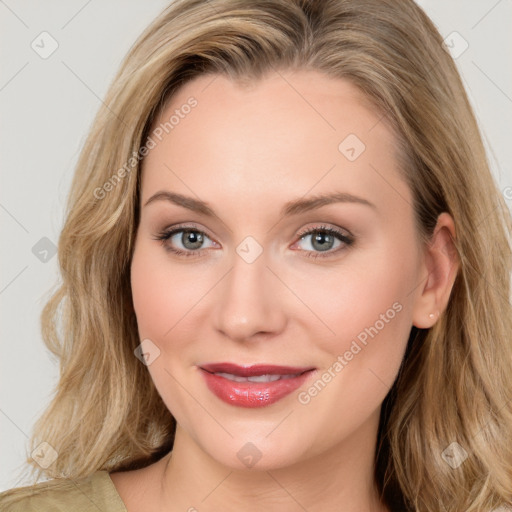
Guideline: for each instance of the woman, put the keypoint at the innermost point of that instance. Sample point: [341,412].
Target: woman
[278,289]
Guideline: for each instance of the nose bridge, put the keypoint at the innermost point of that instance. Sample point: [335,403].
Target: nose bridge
[248,302]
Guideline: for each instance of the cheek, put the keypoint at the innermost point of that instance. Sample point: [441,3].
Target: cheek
[366,321]
[162,294]
[161,300]
[365,309]
[152,302]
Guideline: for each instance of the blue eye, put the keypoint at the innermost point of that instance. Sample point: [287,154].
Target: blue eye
[323,239]
[192,240]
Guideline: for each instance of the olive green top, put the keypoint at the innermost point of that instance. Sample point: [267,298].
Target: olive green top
[95,493]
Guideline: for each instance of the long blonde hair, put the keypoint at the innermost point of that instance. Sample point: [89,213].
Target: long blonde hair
[454,384]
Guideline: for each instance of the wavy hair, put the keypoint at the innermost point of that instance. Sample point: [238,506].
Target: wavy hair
[454,384]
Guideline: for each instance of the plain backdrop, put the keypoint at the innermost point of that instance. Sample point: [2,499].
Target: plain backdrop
[47,105]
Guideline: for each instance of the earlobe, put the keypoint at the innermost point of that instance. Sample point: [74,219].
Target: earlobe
[441,263]
[432,316]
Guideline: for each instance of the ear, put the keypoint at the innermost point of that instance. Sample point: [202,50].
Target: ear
[440,266]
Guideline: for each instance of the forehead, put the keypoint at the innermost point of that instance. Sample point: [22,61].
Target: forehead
[283,135]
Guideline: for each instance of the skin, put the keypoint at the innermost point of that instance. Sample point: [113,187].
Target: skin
[247,151]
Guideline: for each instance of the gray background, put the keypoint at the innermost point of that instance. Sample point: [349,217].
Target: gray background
[47,106]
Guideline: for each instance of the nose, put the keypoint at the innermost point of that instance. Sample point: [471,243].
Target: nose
[249,305]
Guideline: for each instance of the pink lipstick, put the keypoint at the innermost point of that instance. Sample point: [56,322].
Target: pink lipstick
[253,386]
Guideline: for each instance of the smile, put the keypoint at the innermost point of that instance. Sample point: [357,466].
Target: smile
[256,378]
[253,386]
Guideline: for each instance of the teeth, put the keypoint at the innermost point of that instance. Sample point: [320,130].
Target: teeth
[256,378]
[229,376]
[263,378]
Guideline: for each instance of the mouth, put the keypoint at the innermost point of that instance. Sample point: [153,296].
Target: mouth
[253,386]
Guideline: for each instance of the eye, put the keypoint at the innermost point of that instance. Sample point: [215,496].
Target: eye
[323,239]
[190,238]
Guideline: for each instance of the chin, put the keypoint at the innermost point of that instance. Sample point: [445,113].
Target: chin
[256,453]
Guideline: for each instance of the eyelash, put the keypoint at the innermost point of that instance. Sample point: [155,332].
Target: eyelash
[348,240]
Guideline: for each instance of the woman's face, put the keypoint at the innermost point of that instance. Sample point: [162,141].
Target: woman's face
[254,283]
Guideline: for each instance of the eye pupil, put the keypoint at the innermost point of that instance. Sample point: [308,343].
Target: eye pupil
[194,237]
[324,239]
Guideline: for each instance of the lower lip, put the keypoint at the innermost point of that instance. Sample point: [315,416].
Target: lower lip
[252,394]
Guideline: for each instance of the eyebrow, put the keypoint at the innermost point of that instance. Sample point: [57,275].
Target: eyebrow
[290,208]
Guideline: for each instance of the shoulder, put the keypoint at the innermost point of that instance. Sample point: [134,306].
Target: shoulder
[88,494]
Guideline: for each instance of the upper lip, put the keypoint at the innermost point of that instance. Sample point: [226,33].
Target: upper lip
[254,370]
